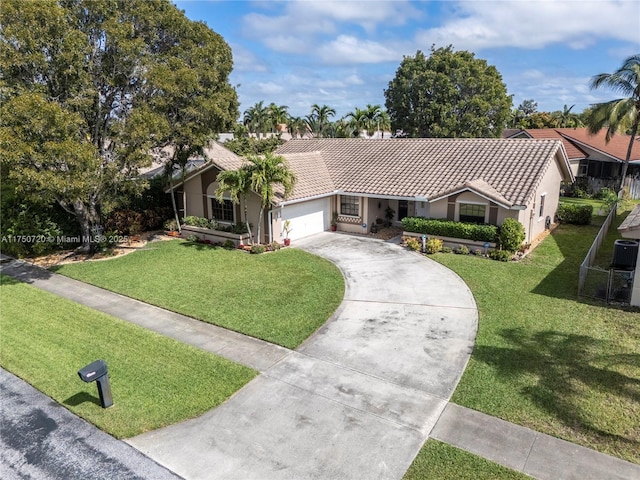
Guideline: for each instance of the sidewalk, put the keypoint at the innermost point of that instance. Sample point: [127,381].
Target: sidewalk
[516,447]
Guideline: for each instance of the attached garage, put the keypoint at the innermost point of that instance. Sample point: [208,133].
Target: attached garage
[308,218]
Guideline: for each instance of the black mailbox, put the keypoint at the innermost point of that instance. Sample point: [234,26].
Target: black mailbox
[97,372]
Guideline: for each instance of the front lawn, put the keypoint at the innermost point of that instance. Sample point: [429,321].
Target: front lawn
[437,460]
[545,359]
[281,297]
[155,381]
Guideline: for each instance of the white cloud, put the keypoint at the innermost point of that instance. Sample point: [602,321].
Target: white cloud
[366,14]
[306,21]
[270,88]
[245,61]
[348,49]
[479,25]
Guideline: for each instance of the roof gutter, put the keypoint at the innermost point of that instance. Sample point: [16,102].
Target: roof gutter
[306,199]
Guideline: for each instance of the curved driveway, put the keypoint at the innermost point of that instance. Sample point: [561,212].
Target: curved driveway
[358,398]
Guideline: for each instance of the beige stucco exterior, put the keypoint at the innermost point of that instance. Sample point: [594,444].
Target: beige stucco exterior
[198,191]
[549,188]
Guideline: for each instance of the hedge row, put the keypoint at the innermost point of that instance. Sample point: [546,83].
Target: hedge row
[447,228]
[575,214]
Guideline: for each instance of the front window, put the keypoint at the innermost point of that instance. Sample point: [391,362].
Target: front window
[542,197]
[472,213]
[349,205]
[222,211]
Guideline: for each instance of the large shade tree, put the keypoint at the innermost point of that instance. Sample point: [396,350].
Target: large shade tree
[90,87]
[619,115]
[448,94]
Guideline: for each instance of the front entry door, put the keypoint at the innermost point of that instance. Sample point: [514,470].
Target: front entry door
[403,206]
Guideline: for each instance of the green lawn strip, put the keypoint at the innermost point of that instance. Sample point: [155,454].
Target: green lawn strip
[281,297]
[547,361]
[155,381]
[437,460]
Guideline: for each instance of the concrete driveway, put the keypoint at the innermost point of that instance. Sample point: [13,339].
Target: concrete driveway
[359,398]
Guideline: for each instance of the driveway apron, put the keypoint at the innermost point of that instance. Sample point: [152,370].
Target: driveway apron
[357,399]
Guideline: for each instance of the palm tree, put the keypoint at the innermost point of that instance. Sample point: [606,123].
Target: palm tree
[321,114]
[297,127]
[264,172]
[277,114]
[566,119]
[256,118]
[358,120]
[384,122]
[237,183]
[622,114]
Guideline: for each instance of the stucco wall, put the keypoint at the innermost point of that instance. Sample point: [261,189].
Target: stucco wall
[193,197]
[550,186]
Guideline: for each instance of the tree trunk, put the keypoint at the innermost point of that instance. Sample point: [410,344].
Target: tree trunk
[175,207]
[86,218]
[259,238]
[246,218]
[625,166]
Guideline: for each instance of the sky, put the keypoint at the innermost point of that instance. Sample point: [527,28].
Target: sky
[344,53]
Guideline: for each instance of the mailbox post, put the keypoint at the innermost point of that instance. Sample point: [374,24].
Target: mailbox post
[97,372]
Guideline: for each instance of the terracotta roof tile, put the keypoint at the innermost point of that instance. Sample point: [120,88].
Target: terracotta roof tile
[509,169]
[616,147]
[312,176]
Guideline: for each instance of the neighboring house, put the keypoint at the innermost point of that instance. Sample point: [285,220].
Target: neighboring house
[630,228]
[478,180]
[595,162]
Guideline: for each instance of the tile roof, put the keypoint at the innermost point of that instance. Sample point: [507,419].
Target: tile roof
[576,139]
[616,147]
[509,169]
[574,152]
[312,176]
[632,222]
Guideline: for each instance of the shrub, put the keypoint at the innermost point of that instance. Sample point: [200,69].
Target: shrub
[275,246]
[511,234]
[447,228]
[478,252]
[196,222]
[575,214]
[413,244]
[171,225]
[193,238]
[462,250]
[446,250]
[229,245]
[500,255]
[257,249]
[433,245]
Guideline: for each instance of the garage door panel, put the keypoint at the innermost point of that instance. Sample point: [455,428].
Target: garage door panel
[307,218]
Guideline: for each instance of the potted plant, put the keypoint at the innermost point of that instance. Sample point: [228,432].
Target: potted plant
[171,227]
[334,222]
[389,213]
[287,229]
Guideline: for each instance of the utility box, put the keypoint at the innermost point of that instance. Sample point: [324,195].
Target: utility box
[625,254]
[97,372]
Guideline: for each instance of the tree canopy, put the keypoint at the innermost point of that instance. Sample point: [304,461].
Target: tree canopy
[448,94]
[621,115]
[91,87]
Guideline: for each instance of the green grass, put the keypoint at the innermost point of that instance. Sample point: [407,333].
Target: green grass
[281,297]
[437,460]
[545,359]
[155,381]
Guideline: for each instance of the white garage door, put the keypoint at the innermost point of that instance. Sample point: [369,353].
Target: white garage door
[307,218]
